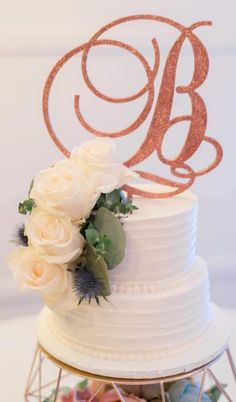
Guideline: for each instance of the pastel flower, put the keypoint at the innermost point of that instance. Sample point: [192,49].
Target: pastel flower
[69,397]
[112,396]
[55,238]
[31,272]
[83,395]
[64,189]
[93,387]
[98,160]
[186,391]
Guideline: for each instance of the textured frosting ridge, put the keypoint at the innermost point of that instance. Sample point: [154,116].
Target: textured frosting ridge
[161,239]
[150,324]
[160,304]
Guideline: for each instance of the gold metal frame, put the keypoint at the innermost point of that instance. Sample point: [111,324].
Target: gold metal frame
[35,376]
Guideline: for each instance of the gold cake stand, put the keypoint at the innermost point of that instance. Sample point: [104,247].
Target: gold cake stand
[35,385]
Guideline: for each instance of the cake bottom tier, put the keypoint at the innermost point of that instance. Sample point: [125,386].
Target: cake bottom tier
[202,350]
[142,328]
[142,325]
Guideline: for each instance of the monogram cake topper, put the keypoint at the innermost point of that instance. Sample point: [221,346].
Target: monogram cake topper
[161,120]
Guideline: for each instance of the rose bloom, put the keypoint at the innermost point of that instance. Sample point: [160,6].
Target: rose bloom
[98,160]
[63,188]
[31,272]
[54,237]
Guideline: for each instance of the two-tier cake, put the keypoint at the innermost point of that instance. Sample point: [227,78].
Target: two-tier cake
[158,319]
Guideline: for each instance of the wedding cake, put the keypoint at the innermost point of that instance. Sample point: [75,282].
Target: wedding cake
[160,289]
[158,315]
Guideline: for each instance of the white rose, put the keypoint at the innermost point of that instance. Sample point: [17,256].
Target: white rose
[64,189]
[98,160]
[54,237]
[31,272]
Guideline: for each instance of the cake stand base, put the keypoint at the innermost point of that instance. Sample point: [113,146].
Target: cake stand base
[35,377]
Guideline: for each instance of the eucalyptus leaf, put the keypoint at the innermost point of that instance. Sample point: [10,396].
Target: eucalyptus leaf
[92,235]
[98,265]
[113,197]
[108,225]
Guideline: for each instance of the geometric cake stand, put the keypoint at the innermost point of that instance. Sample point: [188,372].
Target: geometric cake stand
[35,377]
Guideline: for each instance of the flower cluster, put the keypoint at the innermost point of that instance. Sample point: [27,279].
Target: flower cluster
[65,233]
[179,391]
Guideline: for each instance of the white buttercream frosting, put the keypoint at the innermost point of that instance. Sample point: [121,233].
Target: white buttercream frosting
[161,237]
[159,305]
[131,324]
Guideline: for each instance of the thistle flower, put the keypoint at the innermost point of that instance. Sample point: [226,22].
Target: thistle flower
[19,236]
[85,285]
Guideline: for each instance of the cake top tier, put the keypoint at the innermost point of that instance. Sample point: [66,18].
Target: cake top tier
[183,204]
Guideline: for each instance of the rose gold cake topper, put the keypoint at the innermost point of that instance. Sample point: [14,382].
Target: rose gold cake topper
[161,120]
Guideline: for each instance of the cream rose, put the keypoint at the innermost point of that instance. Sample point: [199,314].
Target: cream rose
[64,189]
[31,272]
[54,237]
[98,160]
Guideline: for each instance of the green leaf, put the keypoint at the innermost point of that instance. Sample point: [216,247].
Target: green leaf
[92,235]
[214,393]
[83,384]
[101,243]
[113,197]
[30,188]
[108,199]
[21,209]
[98,265]
[103,246]
[108,225]
[26,206]
[116,202]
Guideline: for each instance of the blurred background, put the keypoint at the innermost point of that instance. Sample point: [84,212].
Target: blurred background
[34,35]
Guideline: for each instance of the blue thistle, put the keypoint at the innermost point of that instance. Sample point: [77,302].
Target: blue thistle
[19,236]
[86,285]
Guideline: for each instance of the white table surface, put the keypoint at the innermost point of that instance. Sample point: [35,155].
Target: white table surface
[17,344]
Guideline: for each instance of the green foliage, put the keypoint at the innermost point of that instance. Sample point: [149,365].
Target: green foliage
[116,203]
[98,266]
[26,206]
[109,227]
[30,188]
[101,243]
[107,200]
[103,229]
[83,384]
[214,393]
[92,235]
